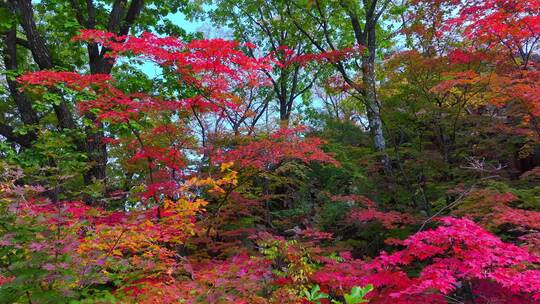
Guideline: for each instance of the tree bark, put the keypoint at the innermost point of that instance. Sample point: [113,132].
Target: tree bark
[370,94]
[24,105]
[364,30]
[367,37]
[100,64]
[41,56]
[121,18]
[23,140]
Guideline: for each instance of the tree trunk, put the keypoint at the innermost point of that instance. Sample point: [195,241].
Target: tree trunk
[370,94]
[41,56]
[372,107]
[101,64]
[284,114]
[93,146]
[24,106]
[365,33]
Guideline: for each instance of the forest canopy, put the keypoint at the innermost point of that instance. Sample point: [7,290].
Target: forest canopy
[296,151]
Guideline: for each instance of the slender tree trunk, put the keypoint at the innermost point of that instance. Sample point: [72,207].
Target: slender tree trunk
[374,115]
[365,33]
[372,107]
[370,94]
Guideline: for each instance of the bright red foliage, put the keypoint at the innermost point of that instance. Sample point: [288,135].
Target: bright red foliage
[389,219]
[165,247]
[454,254]
[510,29]
[460,251]
[219,64]
[236,280]
[514,23]
[213,69]
[491,207]
[517,217]
[284,144]
[71,79]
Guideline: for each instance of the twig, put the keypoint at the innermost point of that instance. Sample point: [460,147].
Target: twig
[454,203]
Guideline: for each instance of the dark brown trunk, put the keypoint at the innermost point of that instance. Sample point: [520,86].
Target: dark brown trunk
[100,64]
[121,19]
[24,106]
[41,56]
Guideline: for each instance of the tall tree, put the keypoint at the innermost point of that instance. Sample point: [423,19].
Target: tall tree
[262,23]
[331,25]
[37,37]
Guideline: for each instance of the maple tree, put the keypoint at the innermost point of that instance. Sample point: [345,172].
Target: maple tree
[192,186]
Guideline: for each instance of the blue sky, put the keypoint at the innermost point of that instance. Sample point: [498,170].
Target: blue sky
[179,19]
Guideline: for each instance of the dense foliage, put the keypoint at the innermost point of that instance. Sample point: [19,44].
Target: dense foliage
[316,152]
